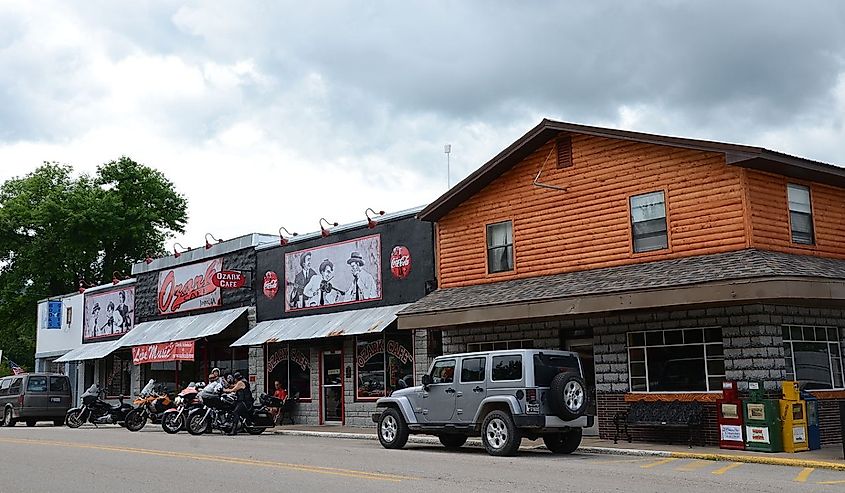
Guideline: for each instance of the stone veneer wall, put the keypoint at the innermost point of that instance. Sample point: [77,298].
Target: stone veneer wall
[751,334]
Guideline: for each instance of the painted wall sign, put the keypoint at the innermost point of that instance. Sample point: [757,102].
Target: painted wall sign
[108,314]
[228,279]
[165,351]
[54,315]
[336,274]
[189,287]
[271,284]
[400,262]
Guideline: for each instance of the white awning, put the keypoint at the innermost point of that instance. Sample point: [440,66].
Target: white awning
[182,328]
[350,322]
[94,350]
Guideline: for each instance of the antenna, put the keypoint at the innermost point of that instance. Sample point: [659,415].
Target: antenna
[448,149]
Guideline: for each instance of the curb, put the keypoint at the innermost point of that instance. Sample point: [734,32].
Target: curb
[749,459]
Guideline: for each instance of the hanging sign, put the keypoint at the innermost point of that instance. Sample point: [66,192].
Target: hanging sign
[228,279]
[164,351]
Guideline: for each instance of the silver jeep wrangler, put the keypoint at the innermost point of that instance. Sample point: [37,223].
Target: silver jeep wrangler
[503,396]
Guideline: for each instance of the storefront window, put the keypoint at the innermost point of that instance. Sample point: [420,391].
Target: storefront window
[813,356]
[163,373]
[383,364]
[290,365]
[683,360]
[115,373]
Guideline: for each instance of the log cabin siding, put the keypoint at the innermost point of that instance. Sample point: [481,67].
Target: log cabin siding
[588,225]
[770,216]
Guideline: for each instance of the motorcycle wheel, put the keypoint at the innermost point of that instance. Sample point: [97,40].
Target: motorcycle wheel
[74,419]
[173,422]
[135,420]
[197,425]
[253,430]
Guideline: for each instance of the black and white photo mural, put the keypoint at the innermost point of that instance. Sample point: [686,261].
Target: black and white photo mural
[108,314]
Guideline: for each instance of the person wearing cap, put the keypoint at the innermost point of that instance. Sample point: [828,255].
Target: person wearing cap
[363,285]
[244,400]
[95,313]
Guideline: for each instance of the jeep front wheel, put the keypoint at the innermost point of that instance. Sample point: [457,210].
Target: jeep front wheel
[392,429]
[563,443]
[453,441]
[499,435]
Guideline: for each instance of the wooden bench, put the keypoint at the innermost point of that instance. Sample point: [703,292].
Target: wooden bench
[661,414]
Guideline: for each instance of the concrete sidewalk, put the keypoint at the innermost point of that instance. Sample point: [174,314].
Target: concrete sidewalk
[827,458]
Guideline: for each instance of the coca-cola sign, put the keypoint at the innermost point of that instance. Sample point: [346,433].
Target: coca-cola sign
[271,284]
[189,288]
[400,262]
[228,279]
[165,351]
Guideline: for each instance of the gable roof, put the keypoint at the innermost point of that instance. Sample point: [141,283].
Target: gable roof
[735,154]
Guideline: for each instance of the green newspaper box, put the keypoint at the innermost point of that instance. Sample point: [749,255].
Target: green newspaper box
[763,431]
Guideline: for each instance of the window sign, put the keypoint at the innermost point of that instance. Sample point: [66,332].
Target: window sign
[290,366]
[383,364]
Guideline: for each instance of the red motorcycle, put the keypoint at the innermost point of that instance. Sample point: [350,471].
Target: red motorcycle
[176,419]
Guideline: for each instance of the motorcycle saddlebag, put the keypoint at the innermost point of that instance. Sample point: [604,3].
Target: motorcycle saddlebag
[262,419]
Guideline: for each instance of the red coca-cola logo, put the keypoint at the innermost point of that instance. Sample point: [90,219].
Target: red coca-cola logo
[400,262]
[271,284]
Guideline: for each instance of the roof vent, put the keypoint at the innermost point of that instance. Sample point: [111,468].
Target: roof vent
[564,151]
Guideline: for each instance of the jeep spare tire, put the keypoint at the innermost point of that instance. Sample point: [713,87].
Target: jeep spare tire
[568,396]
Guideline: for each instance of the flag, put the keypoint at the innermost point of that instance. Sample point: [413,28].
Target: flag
[17,370]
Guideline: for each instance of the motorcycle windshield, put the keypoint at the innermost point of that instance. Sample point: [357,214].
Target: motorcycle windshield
[148,388]
[93,390]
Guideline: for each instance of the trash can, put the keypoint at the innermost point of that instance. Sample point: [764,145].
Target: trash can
[814,436]
[729,418]
[793,413]
[762,421]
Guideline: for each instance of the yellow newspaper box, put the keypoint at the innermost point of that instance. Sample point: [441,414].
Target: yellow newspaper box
[793,412]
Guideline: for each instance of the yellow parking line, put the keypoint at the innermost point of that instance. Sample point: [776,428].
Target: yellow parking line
[693,465]
[723,470]
[659,463]
[837,481]
[804,474]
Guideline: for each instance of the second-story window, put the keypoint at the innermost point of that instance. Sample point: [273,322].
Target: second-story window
[499,247]
[800,214]
[648,222]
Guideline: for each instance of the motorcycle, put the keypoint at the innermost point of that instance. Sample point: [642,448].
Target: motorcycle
[217,413]
[97,411]
[151,404]
[176,418]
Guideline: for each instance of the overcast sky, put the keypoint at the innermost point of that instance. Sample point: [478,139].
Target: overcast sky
[279,113]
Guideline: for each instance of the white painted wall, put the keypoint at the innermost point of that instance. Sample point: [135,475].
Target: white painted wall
[69,336]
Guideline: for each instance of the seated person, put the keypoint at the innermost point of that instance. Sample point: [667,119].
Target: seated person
[281,394]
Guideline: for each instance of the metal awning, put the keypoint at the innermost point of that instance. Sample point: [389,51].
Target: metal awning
[94,350]
[350,322]
[182,328]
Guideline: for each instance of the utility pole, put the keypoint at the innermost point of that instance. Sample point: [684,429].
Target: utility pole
[448,149]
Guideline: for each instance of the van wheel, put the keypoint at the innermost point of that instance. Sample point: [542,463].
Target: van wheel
[499,435]
[7,418]
[392,429]
[453,441]
[563,443]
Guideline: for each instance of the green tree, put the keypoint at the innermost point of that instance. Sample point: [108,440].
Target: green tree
[57,230]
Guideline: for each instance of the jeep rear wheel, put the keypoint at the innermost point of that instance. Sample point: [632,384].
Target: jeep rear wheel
[453,441]
[563,443]
[392,429]
[568,396]
[499,435]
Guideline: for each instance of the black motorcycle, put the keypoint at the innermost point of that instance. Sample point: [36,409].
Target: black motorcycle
[96,411]
[217,413]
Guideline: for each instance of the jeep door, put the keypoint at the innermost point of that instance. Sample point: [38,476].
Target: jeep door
[471,388]
[438,401]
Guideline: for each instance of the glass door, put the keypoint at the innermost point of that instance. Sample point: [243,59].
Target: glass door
[332,387]
[584,348]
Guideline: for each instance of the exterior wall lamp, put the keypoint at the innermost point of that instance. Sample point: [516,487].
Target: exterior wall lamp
[207,243]
[324,231]
[371,223]
[176,253]
[282,240]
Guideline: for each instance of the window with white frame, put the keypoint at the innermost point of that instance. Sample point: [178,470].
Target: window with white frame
[498,345]
[648,222]
[800,214]
[681,360]
[500,247]
[813,356]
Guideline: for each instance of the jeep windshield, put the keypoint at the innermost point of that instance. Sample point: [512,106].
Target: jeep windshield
[546,366]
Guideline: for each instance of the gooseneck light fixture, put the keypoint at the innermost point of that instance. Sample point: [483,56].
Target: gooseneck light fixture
[176,253]
[324,231]
[207,243]
[372,223]
[282,240]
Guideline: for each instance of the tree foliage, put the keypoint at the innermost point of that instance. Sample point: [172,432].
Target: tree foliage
[57,230]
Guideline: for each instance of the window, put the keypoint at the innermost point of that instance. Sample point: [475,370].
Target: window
[291,366]
[800,214]
[499,247]
[59,384]
[472,369]
[648,222]
[683,360]
[547,366]
[68,315]
[813,356]
[507,367]
[115,374]
[4,386]
[443,371]
[383,364]
[15,388]
[474,347]
[36,384]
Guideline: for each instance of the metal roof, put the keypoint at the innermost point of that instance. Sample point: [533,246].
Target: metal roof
[350,322]
[95,350]
[182,328]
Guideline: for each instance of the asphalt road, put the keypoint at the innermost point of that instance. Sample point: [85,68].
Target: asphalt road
[47,459]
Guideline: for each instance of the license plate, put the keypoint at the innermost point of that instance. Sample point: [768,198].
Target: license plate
[55,399]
